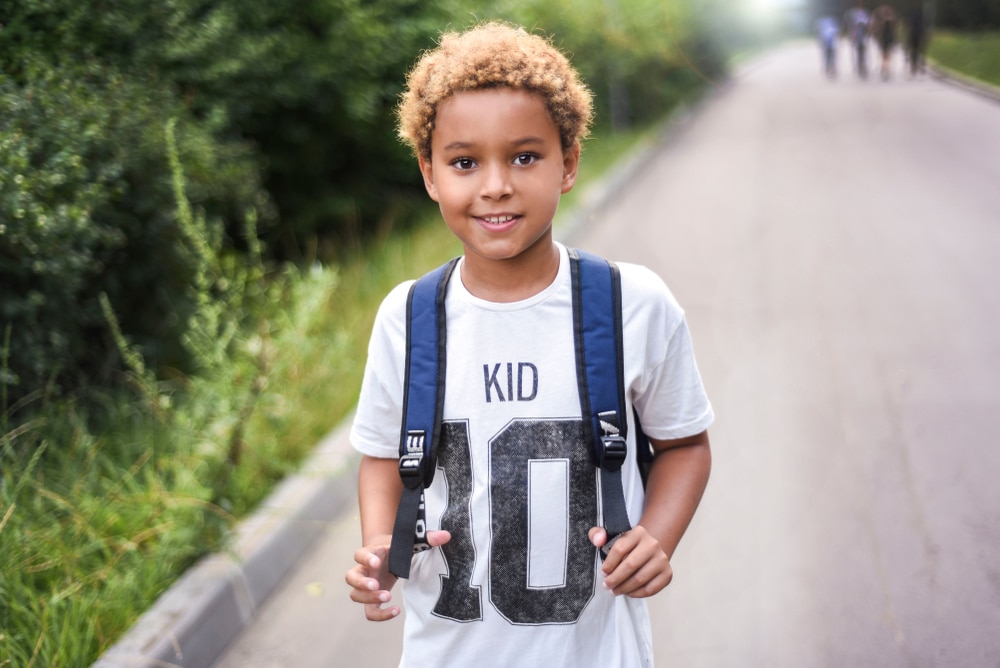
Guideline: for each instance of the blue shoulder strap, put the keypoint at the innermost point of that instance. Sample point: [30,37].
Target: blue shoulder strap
[597,330]
[423,403]
[597,325]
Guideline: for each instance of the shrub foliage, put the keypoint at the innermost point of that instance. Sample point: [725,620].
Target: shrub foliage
[88,207]
[284,112]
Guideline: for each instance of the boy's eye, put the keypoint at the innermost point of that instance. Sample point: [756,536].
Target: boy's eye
[525,159]
[463,163]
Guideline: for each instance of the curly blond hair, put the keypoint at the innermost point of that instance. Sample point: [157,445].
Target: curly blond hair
[493,55]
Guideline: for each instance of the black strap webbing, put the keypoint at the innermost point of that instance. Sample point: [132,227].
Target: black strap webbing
[597,331]
[423,403]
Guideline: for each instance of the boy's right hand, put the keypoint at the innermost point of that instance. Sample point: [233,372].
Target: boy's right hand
[370,580]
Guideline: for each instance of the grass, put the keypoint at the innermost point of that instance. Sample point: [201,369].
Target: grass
[96,523]
[975,55]
[103,507]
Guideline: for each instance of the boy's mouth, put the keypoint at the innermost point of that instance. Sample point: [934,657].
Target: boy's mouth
[498,220]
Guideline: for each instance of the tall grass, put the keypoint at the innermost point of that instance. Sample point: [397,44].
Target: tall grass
[103,506]
[975,55]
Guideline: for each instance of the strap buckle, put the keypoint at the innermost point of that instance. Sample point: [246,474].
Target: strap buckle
[411,465]
[613,452]
[613,445]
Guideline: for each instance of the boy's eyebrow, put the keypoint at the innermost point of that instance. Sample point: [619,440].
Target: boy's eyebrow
[529,140]
[458,146]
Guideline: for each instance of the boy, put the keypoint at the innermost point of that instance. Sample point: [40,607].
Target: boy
[495,116]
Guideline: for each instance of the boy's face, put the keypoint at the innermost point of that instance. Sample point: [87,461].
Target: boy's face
[497,169]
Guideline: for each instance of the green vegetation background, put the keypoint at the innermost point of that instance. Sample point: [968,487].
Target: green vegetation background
[201,206]
[974,55]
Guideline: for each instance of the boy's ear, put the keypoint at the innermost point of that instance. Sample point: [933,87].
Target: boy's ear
[571,163]
[427,170]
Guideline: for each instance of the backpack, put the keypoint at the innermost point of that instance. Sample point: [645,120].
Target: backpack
[597,325]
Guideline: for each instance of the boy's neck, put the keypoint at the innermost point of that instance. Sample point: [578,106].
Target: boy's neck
[513,279]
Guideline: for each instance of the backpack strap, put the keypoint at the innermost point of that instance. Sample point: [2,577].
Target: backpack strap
[643,450]
[423,404]
[597,334]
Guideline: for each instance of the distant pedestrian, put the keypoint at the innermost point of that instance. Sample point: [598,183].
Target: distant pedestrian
[857,22]
[884,26]
[828,31]
[916,41]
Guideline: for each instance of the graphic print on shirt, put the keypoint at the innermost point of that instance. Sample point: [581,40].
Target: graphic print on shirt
[459,600]
[527,375]
[549,458]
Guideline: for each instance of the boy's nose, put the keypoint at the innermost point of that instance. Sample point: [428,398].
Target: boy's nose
[497,183]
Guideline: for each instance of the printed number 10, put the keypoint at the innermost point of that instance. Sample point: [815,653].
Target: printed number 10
[528,458]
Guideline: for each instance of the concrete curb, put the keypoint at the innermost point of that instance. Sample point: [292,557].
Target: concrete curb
[967,84]
[195,620]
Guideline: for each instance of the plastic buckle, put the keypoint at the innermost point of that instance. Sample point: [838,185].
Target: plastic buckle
[613,452]
[411,464]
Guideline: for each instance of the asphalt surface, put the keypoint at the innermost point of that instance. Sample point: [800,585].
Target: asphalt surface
[835,245]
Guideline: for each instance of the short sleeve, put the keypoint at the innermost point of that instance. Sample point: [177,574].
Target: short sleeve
[661,371]
[376,427]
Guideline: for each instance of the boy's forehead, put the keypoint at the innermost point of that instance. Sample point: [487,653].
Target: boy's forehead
[472,111]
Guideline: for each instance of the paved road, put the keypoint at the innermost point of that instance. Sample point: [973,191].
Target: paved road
[836,247]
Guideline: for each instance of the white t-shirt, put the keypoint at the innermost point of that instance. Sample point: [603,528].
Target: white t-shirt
[519,584]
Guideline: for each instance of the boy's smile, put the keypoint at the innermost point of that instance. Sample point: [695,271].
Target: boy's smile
[497,169]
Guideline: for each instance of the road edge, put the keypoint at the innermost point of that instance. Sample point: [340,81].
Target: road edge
[963,82]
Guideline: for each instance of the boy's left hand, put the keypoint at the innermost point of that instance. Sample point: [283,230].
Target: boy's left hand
[636,566]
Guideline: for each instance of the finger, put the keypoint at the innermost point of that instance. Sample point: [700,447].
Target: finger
[367,585]
[637,570]
[365,557]
[628,556]
[376,613]
[369,593]
[620,549]
[597,536]
[436,538]
[366,597]
[639,587]
[356,578]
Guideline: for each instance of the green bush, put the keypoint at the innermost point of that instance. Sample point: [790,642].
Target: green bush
[639,57]
[87,207]
[969,15]
[975,55]
[311,84]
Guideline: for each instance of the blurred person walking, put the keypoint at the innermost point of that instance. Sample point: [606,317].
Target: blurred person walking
[884,30]
[828,30]
[857,21]
[916,41]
